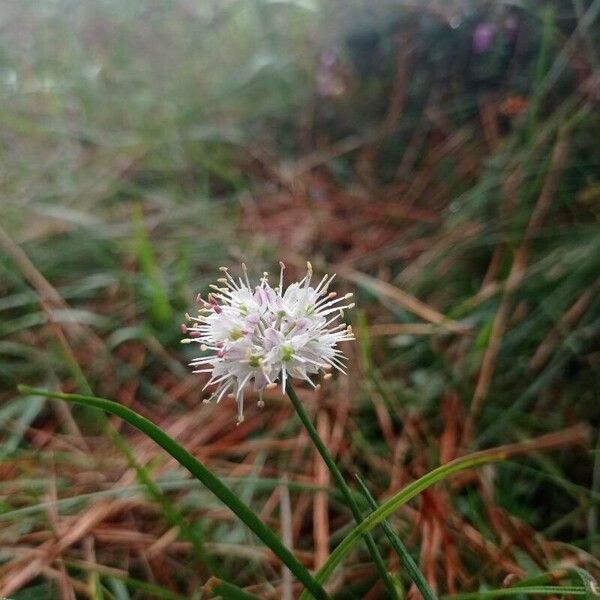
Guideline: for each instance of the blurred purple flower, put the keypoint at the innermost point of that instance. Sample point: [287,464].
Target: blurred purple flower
[483,37]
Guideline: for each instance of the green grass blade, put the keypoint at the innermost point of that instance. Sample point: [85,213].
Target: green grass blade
[541,590]
[590,585]
[160,308]
[398,500]
[170,512]
[406,560]
[343,487]
[198,470]
[173,516]
[576,574]
[231,592]
[12,440]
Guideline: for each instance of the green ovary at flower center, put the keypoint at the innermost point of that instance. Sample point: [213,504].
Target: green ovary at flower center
[235,334]
[287,353]
[255,361]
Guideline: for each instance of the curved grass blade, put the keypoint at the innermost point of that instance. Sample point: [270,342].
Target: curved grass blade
[406,560]
[590,585]
[576,574]
[198,470]
[344,489]
[402,497]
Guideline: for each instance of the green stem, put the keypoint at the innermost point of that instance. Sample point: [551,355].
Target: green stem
[198,470]
[342,485]
[399,499]
[405,558]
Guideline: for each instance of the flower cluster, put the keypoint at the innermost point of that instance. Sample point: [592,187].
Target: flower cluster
[258,336]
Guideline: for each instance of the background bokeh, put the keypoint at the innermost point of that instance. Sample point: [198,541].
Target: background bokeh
[441,156]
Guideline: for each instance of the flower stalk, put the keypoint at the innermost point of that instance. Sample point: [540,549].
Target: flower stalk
[342,485]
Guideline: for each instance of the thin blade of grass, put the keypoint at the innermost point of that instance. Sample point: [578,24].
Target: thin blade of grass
[541,590]
[575,574]
[160,308]
[343,487]
[550,441]
[232,592]
[196,468]
[406,560]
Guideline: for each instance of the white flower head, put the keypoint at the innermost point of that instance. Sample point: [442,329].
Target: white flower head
[257,337]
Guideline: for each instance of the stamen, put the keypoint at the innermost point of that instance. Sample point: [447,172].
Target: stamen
[321,283]
[282,269]
[214,304]
[308,274]
[245,270]
[231,281]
